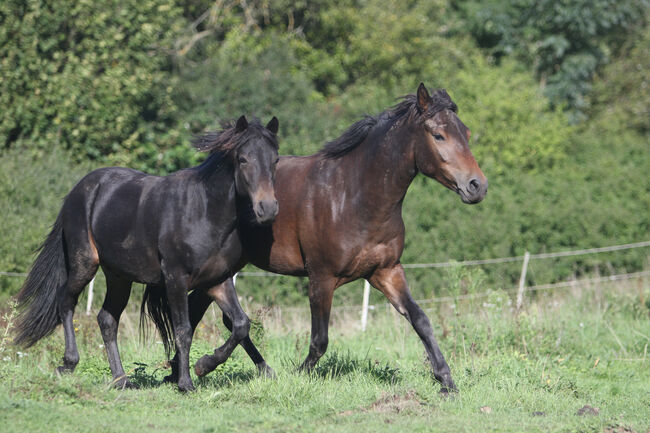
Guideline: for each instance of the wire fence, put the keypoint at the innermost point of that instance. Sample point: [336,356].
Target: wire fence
[520,290]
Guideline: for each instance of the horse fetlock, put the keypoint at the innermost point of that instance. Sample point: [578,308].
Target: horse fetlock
[318,347]
[219,357]
[446,382]
[69,363]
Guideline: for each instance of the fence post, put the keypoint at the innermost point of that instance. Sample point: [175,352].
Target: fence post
[522,282]
[89,304]
[364,308]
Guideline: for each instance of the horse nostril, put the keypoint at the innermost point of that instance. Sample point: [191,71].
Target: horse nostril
[474,185]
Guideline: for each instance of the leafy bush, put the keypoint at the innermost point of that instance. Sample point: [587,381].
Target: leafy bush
[91,77]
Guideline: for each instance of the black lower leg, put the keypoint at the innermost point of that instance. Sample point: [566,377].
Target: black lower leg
[251,350]
[198,303]
[320,300]
[108,318]
[422,327]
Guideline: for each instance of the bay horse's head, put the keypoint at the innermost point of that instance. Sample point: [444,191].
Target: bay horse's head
[441,146]
[252,150]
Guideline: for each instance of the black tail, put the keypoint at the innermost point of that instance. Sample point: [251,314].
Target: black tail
[157,309]
[37,299]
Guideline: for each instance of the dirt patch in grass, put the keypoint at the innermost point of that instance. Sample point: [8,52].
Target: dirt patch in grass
[587,410]
[397,403]
[391,404]
[618,429]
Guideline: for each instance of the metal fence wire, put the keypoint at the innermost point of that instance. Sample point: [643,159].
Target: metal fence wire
[520,290]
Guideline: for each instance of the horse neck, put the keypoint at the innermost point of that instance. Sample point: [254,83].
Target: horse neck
[220,191]
[385,166]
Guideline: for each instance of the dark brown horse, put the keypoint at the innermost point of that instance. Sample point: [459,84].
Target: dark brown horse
[174,233]
[340,215]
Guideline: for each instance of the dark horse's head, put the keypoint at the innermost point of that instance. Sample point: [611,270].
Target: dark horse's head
[441,146]
[253,151]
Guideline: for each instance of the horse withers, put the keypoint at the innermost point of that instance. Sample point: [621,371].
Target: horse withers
[174,233]
[343,221]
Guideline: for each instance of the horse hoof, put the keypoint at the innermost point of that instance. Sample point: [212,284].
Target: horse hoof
[266,371]
[64,370]
[184,388]
[172,378]
[448,391]
[205,365]
[123,382]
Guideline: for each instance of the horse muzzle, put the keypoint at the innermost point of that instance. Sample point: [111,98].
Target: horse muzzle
[474,190]
[265,210]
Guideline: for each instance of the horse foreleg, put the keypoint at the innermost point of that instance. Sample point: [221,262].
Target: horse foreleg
[392,283]
[262,367]
[177,297]
[226,297]
[198,303]
[321,291]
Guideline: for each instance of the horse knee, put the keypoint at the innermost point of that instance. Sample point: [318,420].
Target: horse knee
[241,328]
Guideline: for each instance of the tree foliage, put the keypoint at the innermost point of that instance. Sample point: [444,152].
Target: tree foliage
[566,42]
[88,76]
[129,82]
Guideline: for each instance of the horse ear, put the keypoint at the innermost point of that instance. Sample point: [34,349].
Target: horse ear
[242,124]
[423,97]
[273,125]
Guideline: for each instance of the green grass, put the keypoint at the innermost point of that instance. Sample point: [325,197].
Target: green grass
[568,350]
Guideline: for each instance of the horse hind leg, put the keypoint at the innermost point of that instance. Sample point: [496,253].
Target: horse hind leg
[83,267]
[118,291]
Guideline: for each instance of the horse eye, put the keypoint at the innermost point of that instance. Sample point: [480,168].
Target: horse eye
[438,137]
[242,160]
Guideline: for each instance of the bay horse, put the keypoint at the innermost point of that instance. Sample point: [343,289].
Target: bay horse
[343,220]
[174,233]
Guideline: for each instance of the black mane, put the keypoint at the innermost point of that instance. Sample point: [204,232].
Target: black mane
[221,143]
[407,110]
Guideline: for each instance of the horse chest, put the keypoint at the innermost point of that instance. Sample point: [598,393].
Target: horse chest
[216,267]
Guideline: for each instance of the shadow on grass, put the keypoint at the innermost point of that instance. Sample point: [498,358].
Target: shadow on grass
[225,375]
[220,380]
[339,364]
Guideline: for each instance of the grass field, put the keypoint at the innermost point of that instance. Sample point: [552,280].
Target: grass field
[535,372]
